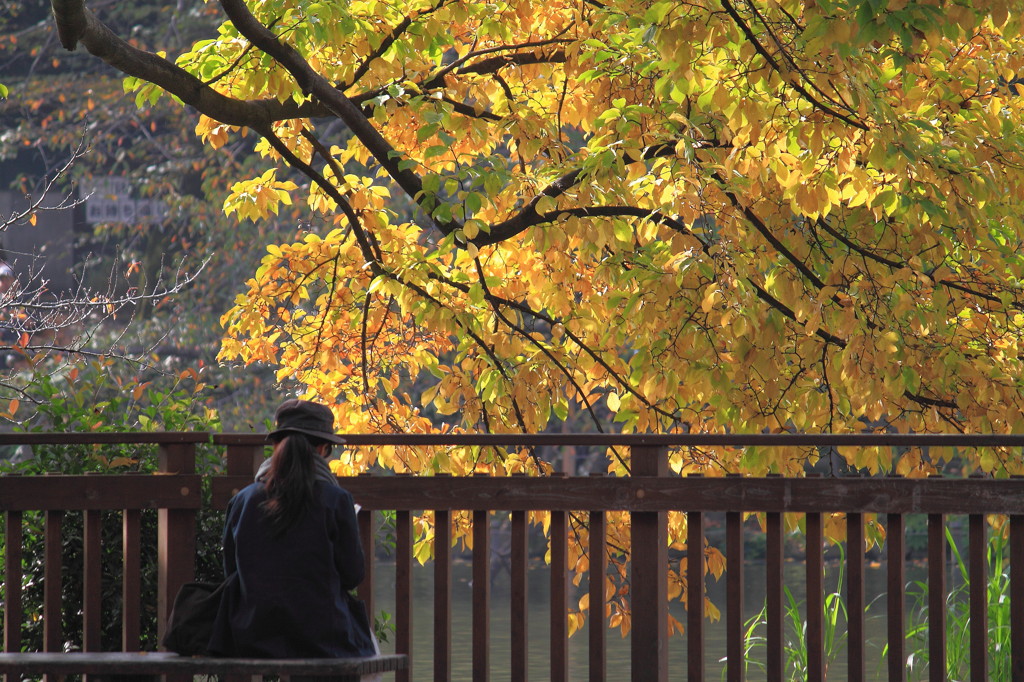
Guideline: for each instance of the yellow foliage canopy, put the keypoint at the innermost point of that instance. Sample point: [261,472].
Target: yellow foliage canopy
[731,215]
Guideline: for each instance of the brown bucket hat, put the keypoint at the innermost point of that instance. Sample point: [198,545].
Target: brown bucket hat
[304,416]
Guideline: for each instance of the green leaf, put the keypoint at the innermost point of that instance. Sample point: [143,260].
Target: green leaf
[431,183]
[622,230]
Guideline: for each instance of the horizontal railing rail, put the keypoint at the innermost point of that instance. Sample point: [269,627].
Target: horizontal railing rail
[648,494]
[738,440]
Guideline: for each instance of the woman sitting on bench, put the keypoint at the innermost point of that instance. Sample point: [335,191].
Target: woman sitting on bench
[292,552]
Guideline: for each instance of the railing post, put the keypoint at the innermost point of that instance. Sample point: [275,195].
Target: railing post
[481,594]
[734,593]
[648,575]
[131,580]
[519,601]
[815,580]
[978,576]
[937,597]
[92,580]
[52,578]
[695,592]
[1017,597]
[366,518]
[775,626]
[855,596]
[13,535]
[598,575]
[559,594]
[443,594]
[897,657]
[404,539]
[176,534]
[244,460]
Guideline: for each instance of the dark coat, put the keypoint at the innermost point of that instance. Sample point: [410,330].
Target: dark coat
[286,595]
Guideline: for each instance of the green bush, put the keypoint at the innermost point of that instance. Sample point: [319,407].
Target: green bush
[95,397]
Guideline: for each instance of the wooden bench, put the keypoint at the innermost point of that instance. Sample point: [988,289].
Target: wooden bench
[154,664]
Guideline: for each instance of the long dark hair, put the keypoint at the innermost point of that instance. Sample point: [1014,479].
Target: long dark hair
[290,480]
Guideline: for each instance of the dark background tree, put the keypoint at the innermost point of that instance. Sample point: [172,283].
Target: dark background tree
[133,293]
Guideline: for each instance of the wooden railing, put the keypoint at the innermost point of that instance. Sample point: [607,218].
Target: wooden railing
[647,494]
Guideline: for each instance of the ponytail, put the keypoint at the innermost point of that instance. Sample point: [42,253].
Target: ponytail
[290,480]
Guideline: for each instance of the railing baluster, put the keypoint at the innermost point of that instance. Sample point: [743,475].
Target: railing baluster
[1017,597]
[52,582]
[442,595]
[598,573]
[367,534]
[92,580]
[855,597]
[559,596]
[13,536]
[894,539]
[648,563]
[936,598]
[519,597]
[815,573]
[773,596]
[481,595]
[735,654]
[695,594]
[403,588]
[131,579]
[977,548]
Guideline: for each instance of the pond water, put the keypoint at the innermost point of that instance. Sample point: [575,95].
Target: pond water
[618,654]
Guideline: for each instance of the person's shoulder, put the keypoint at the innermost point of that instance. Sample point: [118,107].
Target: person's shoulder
[334,493]
[253,490]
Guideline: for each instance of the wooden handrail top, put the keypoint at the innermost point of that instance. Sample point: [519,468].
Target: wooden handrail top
[105,438]
[539,439]
[671,440]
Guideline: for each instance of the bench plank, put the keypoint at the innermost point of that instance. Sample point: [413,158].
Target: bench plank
[157,663]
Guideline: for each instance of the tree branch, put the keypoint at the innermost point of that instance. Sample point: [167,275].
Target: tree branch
[76,24]
[312,83]
[796,85]
[529,217]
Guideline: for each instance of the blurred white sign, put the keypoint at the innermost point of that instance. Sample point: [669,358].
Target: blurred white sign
[108,200]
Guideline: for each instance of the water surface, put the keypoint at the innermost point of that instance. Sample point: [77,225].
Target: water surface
[618,648]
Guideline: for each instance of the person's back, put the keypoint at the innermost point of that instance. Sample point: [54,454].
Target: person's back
[292,552]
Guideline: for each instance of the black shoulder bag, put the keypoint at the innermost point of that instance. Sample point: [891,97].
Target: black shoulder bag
[190,625]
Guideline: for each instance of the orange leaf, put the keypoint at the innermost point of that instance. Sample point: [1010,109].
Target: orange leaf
[139,390]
